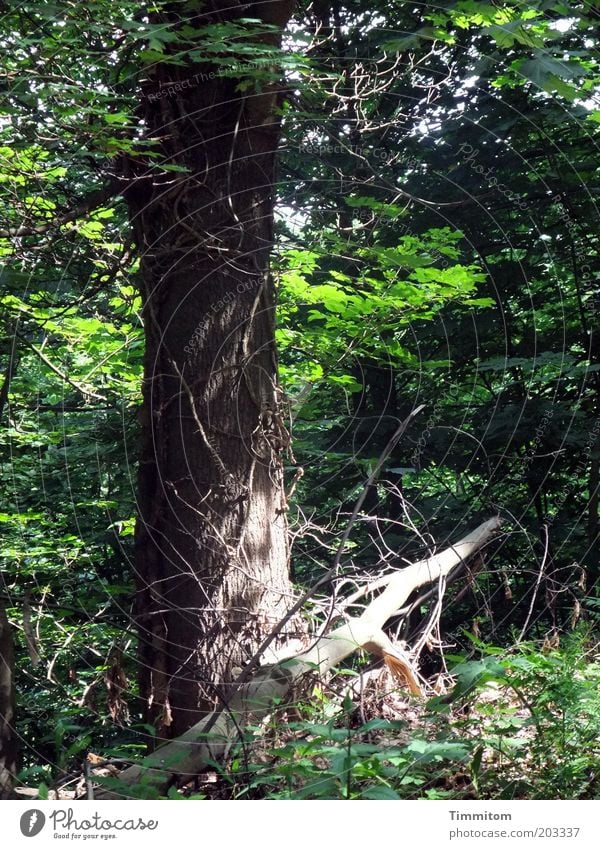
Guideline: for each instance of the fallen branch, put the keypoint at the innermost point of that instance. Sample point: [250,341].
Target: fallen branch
[187,755]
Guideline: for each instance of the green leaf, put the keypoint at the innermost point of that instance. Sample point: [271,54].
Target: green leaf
[544,67]
[428,752]
[380,792]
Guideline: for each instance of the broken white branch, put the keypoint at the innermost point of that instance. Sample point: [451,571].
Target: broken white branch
[210,739]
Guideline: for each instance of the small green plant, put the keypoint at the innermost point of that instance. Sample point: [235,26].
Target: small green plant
[536,715]
[520,725]
[334,758]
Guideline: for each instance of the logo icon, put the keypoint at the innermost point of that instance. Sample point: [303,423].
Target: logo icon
[32,822]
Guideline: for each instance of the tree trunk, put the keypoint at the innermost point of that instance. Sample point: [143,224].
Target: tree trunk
[8,738]
[211,540]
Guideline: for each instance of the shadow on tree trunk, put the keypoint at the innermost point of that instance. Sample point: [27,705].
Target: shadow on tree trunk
[8,739]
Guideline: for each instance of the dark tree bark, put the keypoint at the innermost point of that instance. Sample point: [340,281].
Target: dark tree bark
[211,541]
[8,738]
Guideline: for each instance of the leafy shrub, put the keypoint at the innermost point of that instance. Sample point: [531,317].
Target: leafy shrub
[519,725]
[539,732]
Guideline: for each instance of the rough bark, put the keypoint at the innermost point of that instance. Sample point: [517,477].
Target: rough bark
[210,739]
[211,541]
[8,738]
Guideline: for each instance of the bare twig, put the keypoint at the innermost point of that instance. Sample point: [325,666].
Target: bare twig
[537,586]
[86,392]
[254,662]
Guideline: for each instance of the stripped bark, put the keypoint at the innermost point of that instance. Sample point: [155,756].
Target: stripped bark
[211,739]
